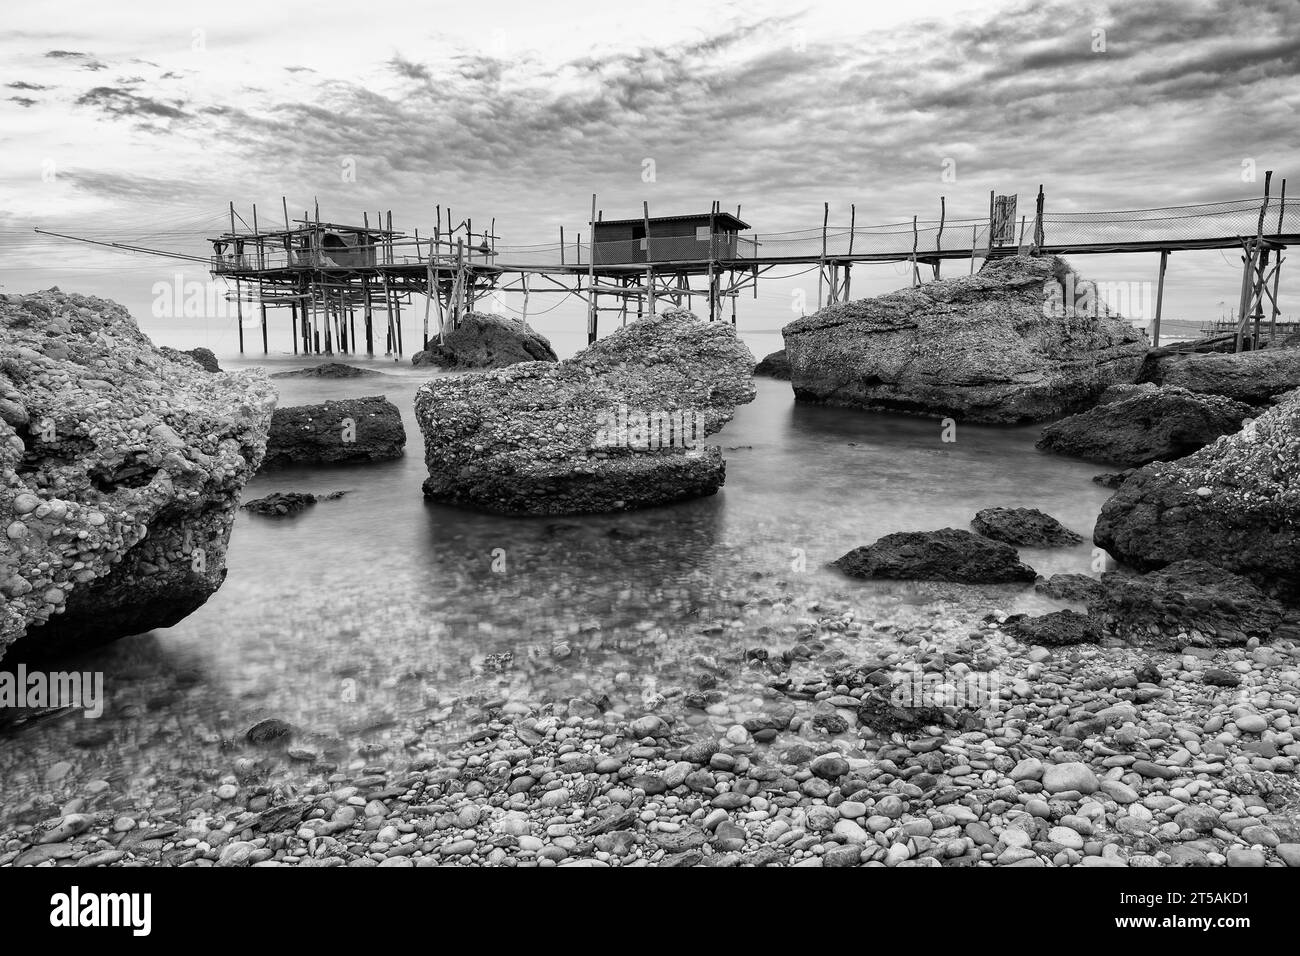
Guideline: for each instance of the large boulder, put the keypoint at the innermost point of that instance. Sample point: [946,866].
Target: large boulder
[1250,377]
[1024,527]
[997,347]
[618,426]
[1156,425]
[485,341]
[351,430]
[949,554]
[774,365]
[1235,504]
[120,474]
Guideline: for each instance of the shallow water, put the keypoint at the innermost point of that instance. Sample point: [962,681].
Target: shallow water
[374,622]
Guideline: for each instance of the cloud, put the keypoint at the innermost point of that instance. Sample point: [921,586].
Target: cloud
[24,85]
[120,103]
[22,101]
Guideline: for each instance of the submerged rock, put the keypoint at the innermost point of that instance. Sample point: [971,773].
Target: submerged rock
[1024,527]
[949,554]
[350,430]
[486,341]
[1188,602]
[328,370]
[205,357]
[774,365]
[122,470]
[618,426]
[996,347]
[1146,426]
[1250,377]
[278,504]
[1235,504]
[1071,587]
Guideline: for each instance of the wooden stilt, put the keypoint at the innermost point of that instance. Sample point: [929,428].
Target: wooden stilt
[1160,298]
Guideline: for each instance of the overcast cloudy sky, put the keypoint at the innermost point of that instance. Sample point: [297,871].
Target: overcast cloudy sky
[141,121]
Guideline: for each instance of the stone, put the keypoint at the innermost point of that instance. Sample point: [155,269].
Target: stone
[1234,504]
[270,730]
[1023,527]
[1062,777]
[1055,629]
[774,365]
[349,430]
[1252,377]
[1031,768]
[949,554]
[984,348]
[1160,425]
[1243,857]
[1066,837]
[1251,723]
[141,466]
[484,340]
[618,426]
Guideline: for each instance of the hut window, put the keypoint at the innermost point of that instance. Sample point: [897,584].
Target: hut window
[701,233]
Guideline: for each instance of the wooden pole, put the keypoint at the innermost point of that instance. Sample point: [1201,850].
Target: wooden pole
[938,239]
[561,245]
[293,313]
[1039,237]
[916,273]
[990,252]
[713,292]
[591,278]
[974,238]
[821,262]
[645,222]
[1277,269]
[1160,298]
[649,270]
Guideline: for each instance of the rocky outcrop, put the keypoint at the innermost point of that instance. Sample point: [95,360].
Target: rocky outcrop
[486,341]
[206,358]
[1023,527]
[120,474]
[1146,426]
[1235,504]
[1250,377]
[949,554]
[618,426]
[998,347]
[347,431]
[1188,602]
[774,365]
[328,370]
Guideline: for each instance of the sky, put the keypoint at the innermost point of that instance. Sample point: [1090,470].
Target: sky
[140,123]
